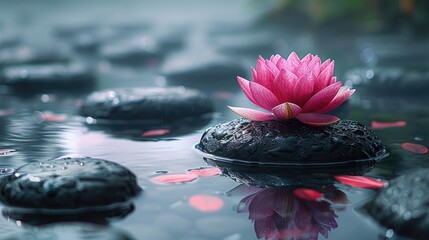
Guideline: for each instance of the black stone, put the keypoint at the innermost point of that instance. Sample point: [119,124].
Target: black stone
[48,76]
[207,71]
[153,104]
[284,143]
[68,183]
[134,51]
[403,205]
[390,80]
[26,55]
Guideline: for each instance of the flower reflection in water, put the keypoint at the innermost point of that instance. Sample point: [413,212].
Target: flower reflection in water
[278,214]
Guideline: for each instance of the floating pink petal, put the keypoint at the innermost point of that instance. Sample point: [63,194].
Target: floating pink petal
[206,172]
[306,83]
[174,178]
[5,112]
[378,125]
[317,119]
[6,151]
[206,203]
[155,132]
[252,114]
[361,181]
[51,117]
[307,194]
[415,148]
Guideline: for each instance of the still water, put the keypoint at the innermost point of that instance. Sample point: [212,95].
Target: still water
[210,30]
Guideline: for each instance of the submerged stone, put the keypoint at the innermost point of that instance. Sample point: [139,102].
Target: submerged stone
[26,55]
[275,142]
[48,76]
[403,205]
[158,104]
[68,183]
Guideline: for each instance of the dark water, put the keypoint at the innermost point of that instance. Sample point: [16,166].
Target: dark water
[162,211]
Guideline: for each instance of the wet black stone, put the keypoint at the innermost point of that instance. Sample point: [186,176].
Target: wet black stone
[390,80]
[26,55]
[68,183]
[133,51]
[403,205]
[207,70]
[157,104]
[48,76]
[291,142]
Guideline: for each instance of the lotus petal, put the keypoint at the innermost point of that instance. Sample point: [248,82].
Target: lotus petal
[252,114]
[378,125]
[286,111]
[206,203]
[415,148]
[343,94]
[360,181]
[272,67]
[322,98]
[324,77]
[303,90]
[294,59]
[254,75]
[263,97]
[325,64]
[317,119]
[283,85]
[245,86]
[307,194]
[265,76]
[174,178]
[275,58]
[205,172]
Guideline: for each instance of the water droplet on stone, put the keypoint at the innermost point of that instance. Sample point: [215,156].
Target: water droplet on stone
[63,168]
[81,164]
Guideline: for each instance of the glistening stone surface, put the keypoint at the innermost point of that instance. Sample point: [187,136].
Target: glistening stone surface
[146,104]
[47,76]
[403,206]
[291,142]
[68,183]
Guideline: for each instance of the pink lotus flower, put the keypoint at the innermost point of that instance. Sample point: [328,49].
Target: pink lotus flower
[293,88]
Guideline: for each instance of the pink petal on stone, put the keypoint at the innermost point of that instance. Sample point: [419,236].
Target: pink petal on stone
[317,119]
[415,148]
[252,114]
[324,77]
[206,203]
[322,98]
[206,172]
[286,111]
[378,125]
[174,178]
[343,94]
[307,194]
[155,132]
[283,85]
[263,97]
[265,76]
[303,90]
[245,86]
[360,181]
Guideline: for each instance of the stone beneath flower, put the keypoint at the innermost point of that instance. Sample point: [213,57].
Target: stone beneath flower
[402,206]
[293,143]
[293,88]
